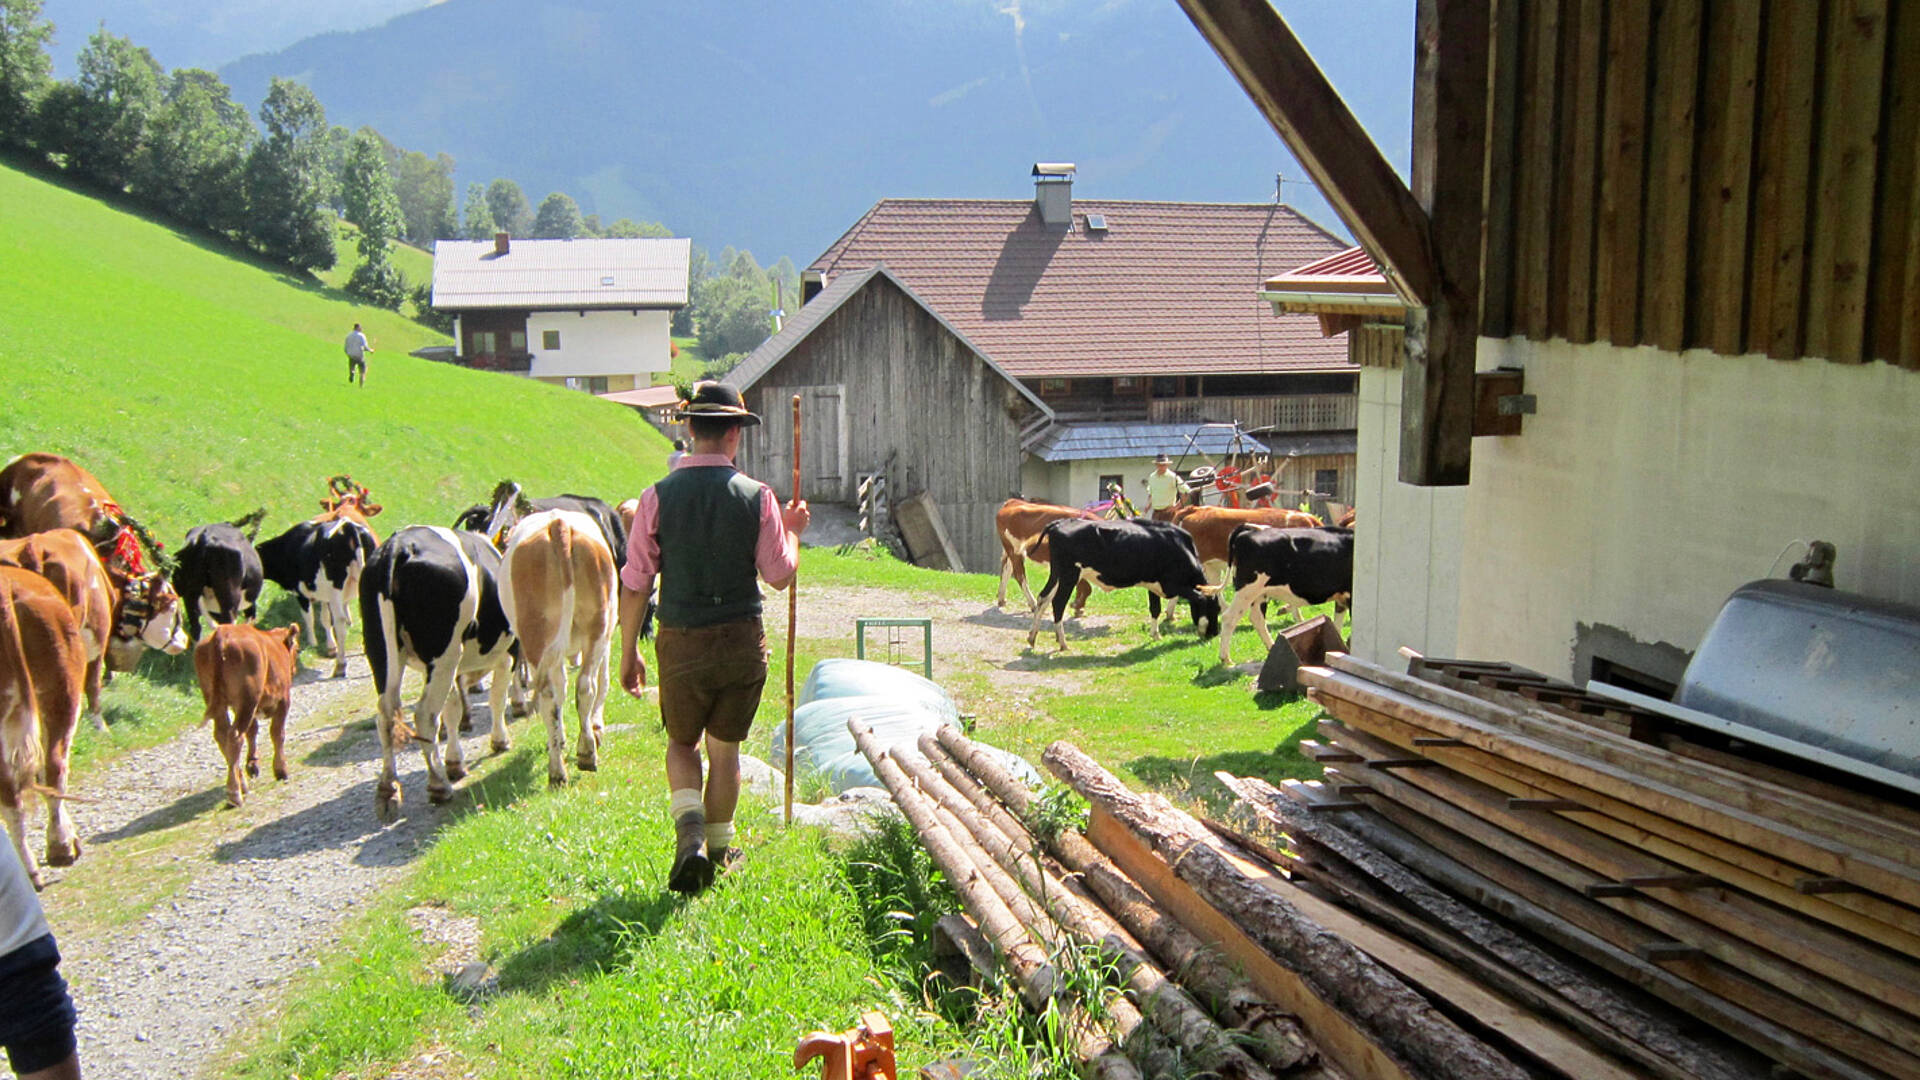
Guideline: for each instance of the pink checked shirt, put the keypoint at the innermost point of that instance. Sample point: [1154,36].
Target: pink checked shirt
[775,558]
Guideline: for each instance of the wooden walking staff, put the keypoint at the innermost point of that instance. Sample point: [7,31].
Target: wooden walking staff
[793,610]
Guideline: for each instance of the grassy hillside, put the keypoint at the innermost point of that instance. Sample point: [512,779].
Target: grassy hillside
[198,386]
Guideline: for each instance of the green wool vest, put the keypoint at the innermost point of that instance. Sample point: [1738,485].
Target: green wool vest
[709,528]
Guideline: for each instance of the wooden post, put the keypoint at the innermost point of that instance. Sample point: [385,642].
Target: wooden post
[1449,180]
[793,610]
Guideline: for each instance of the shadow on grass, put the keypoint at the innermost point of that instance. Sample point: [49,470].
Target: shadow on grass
[1029,660]
[348,818]
[603,935]
[1193,777]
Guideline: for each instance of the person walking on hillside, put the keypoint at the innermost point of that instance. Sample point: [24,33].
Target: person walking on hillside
[36,1023]
[357,350]
[1163,489]
[708,531]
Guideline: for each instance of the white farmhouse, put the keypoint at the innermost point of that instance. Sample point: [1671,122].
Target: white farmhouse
[590,314]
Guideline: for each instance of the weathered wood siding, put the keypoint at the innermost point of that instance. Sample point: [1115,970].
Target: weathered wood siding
[916,403]
[1734,175]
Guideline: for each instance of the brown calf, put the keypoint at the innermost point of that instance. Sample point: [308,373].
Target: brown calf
[67,560]
[247,672]
[1212,526]
[1021,525]
[42,664]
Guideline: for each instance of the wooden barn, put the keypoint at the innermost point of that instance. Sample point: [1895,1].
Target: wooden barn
[1680,243]
[1088,334]
[883,379]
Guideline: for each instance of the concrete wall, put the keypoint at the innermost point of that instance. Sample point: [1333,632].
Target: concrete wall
[601,343]
[1649,486]
[1406,539]
[1077,483]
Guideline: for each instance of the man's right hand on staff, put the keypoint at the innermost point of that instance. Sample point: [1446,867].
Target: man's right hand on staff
[796,516]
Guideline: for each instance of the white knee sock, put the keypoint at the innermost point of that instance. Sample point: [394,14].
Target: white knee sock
[685,801]
[719,836]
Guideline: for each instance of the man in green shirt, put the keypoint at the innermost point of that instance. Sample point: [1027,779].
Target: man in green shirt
[711,533]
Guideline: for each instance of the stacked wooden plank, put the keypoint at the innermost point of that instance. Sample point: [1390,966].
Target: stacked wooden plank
[1779,909]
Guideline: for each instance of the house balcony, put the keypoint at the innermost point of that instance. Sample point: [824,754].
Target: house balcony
[1287,412]
[518,363]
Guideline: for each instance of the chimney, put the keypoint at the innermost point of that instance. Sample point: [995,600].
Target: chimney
[500,243]
[1053,193]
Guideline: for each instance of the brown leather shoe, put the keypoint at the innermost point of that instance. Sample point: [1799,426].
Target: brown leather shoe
[692,868]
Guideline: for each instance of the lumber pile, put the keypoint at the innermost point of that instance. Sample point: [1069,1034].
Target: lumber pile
[1228,967]
[1781,909]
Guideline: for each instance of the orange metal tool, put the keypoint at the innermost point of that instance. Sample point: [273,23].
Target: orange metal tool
[864,1053]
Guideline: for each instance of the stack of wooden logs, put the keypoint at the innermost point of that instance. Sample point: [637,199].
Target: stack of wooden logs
[1779,908]
[1229,968]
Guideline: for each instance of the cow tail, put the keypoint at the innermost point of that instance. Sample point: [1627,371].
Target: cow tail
[19,742]
[1032,542]
[556,653]
[381,641]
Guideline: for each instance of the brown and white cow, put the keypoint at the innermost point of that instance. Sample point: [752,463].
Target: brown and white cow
[43,662]
[41,491]
[557,582]
[67,560]
[44,492]
[246,673]
[1021,525]
[1212,528]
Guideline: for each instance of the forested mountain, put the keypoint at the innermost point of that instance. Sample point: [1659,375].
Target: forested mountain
[773,126]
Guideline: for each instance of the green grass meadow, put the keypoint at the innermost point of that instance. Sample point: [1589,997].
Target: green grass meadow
[197,386]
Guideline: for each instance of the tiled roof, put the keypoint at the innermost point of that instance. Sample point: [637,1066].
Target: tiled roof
[1166,288]
[559,274]
[1081,442]
[646,397]
[1353,264]
[839,291]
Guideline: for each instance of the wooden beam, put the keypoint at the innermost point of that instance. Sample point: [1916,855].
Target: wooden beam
[1776,312]
[1616,300]
[1840,254]
[1290,90]
[1451,45]
[1717,289]
[1670,179]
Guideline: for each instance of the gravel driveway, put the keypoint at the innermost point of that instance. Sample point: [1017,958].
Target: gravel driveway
[159,995]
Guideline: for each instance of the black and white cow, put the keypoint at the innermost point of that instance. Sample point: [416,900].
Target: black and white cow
[1297,567]
[217,574]
[1157,555]
[320,562]
[430,599]
[498,519]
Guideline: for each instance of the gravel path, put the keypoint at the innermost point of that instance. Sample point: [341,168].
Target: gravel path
[158,996]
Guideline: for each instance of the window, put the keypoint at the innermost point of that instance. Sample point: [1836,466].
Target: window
[1326,482]
[1166,386]
[596,384]
[1126,384]
[517,341]
[1111,484]
[1054,386]
[550,340]
[483,341]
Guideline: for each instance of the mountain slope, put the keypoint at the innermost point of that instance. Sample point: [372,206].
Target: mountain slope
[197,386]
[773,127]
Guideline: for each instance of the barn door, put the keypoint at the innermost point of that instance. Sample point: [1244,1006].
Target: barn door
[823,442]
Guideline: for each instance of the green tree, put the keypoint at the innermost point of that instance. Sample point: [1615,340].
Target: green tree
[366,190]
[509,206]
[733,315]
[424,186]
[629,228]
[26,71]
[287,179]
[698,269]
[558,219]
[120,87]
[193,165]
[479,220]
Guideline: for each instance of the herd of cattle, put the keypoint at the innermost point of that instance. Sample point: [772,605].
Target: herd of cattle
[516,590]
[1286,556]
